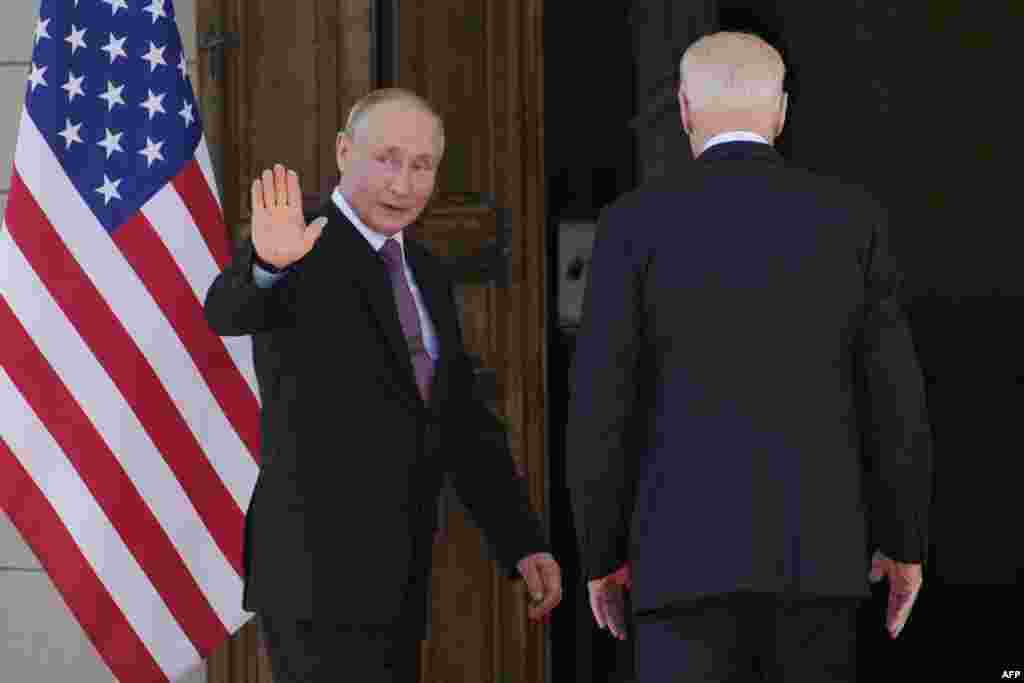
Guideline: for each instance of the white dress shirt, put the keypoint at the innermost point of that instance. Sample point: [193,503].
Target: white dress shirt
[734,136]
[264,279]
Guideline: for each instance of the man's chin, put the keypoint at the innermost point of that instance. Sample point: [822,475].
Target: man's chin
[392,222]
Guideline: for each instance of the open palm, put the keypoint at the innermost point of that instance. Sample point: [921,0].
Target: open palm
[279,231]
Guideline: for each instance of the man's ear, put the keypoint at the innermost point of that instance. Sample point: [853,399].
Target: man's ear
[783,111]
[341,151]
[684,112]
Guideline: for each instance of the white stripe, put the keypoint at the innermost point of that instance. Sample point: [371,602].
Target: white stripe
[177,229]
[119,427]
[240,348]
[128,298]
[99,542]
[206,165]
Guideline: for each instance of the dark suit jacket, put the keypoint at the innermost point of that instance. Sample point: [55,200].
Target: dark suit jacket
[718,437]
[352,458]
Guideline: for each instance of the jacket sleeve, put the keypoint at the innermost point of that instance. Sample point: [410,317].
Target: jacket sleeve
[236,305]
[607,371]
[894,422]
[483,473]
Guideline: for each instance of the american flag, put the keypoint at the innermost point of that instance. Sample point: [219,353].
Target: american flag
[129,431]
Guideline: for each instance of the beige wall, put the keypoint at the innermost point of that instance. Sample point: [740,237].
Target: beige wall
[40,641]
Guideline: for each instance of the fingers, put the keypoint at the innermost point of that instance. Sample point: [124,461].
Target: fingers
[257,195]
[905,582]
[294,191]
[598,606]
[615,609]
[280,186]
[534,583]
[269,198]
[901,600]
[551,579]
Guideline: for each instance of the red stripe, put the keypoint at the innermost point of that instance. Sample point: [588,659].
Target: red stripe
[115,350]
[110,486]
[84,593]
[198,197]
[156,267]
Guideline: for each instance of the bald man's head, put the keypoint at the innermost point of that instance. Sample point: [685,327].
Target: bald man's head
[726,71]
[732,81]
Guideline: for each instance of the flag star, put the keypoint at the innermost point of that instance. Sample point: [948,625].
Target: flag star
[113,95]
[152,152]
[76,38]
[186,113]
[156,8]
[115,48]
[36,77]
[40,31]
[116,5]
[73,86]
[70,133]
[109,190]
[112,143]
[154,104]
[155,56]
[183,66]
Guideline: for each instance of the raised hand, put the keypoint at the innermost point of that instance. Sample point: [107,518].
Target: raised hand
[279,231]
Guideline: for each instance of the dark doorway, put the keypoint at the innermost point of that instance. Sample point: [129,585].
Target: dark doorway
[589,161]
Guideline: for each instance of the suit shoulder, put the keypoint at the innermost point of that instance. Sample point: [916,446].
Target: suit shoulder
[849,192]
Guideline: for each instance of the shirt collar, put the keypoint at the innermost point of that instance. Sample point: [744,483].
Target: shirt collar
[734,136]
[375,239]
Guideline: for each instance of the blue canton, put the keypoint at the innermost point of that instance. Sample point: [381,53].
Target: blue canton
[109,91]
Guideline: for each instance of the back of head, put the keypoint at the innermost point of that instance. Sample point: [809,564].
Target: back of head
[731,72]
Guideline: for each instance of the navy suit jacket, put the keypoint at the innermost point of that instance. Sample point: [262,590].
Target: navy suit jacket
[746,401]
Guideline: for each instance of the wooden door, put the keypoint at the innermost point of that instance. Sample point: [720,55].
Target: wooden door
[281,96]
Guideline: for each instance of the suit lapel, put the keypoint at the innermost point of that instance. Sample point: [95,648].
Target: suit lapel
[370,273]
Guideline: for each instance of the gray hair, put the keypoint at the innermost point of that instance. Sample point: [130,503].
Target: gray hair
[731,71]
[361,109]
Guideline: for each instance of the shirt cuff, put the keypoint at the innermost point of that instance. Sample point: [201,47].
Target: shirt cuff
[265,279]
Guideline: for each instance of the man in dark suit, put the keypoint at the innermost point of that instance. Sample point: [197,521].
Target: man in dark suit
[744,381]
[367,403]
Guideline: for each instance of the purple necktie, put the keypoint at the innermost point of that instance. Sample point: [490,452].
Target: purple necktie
[409,316]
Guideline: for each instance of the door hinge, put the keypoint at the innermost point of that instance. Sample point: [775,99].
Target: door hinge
[216,42]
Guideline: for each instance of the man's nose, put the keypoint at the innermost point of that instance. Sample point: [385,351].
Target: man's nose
[400,183]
